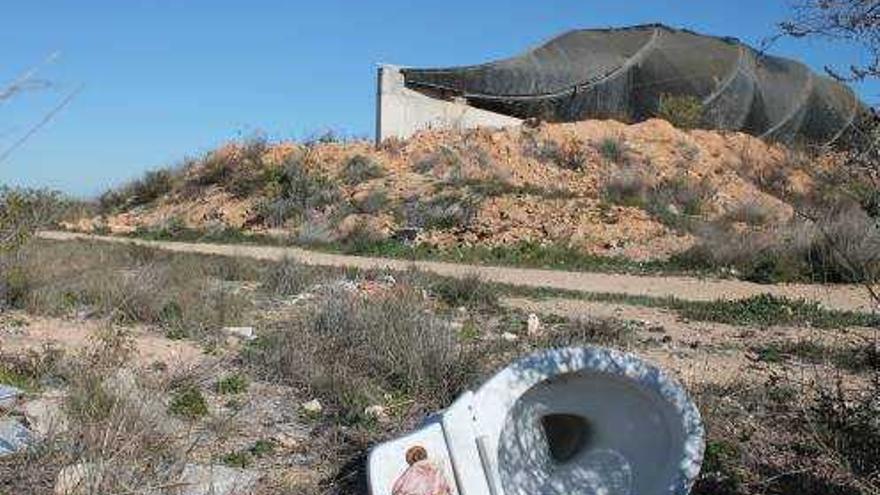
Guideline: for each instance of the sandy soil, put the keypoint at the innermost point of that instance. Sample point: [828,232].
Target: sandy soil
[698,352]
[841,297]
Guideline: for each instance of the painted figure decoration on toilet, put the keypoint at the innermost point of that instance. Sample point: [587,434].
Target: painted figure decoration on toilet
[422,477]
[577,421]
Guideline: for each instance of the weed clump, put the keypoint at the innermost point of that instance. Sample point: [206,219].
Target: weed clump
[469,292]
[188,402]
[232,384]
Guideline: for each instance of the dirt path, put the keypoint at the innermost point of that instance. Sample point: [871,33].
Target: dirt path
[843,297]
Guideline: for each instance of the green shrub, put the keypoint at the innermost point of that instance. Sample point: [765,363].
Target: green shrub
[684,112]
[188,402]
[23,211]
[232,384]
[612,149]
[768,310]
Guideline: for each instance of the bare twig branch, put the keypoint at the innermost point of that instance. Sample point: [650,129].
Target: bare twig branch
[39,125]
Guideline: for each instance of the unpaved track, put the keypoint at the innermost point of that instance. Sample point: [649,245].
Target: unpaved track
[843,297]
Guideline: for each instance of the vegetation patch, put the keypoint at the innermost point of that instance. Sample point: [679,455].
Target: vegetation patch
[188,402]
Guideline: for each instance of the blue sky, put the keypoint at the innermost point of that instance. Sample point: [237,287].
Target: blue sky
[168,79]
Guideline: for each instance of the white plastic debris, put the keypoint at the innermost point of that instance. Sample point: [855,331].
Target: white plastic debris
[245,333]
[534,325]
[313,406]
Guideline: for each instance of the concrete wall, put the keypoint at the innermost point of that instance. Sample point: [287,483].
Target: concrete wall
[401,112]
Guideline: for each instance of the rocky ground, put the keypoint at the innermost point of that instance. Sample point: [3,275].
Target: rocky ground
[600,187]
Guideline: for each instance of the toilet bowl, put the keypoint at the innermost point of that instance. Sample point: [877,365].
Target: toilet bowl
[574,421]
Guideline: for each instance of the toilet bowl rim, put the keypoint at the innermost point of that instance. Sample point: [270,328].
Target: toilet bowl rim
[499,394]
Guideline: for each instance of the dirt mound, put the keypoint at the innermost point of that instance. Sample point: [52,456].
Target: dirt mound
[601,186]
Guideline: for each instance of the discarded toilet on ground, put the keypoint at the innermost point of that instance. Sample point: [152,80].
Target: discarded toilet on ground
[561,422]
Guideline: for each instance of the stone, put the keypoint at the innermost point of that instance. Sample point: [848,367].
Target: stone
[14,436]
[78,479]
[45,415]
[534,325]
[199,479]
[9,397]
[313,407]
[244,333]
[195,479]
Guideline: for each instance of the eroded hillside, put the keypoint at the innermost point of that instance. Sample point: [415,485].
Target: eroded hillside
[601,187]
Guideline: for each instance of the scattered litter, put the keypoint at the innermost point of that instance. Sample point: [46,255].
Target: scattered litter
[534,325]
[14,436]
[509,337]
[244,333]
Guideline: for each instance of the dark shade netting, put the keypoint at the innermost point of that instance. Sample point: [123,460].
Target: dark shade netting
[624,73]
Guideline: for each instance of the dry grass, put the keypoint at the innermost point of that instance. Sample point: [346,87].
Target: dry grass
[115,429]
[183,294]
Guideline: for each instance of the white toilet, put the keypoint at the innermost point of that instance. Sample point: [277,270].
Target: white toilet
[561,422]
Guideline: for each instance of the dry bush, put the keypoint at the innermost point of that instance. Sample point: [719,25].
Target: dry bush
[351,350]
[295,193]
[288,277]
[590,331]
[372,202]
[627,187]
[687,195]
[448,211]
[145,190]
[842,246]
[570,154]
[783,437]
[751,212]
[359,169]
[241,171]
